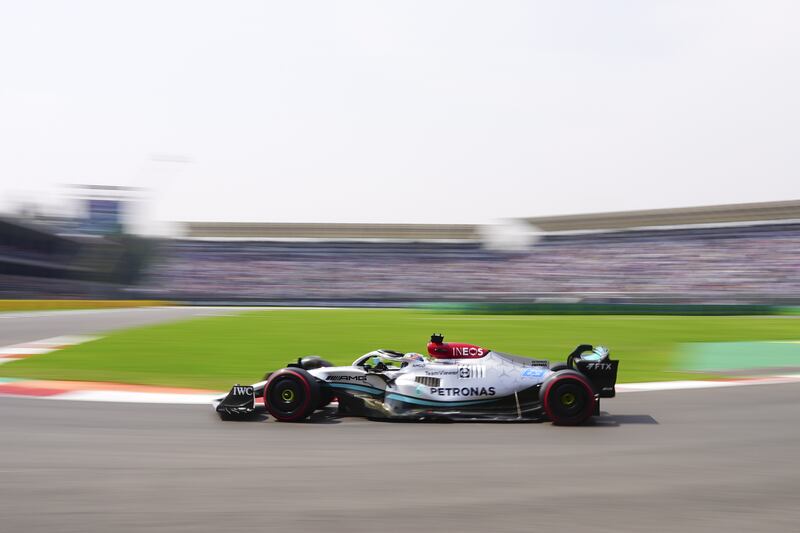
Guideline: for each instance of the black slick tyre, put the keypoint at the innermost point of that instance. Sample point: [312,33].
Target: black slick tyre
[567,398]
[291,394]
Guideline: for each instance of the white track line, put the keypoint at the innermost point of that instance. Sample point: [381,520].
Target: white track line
[115,396]
[137,397]
[15,352]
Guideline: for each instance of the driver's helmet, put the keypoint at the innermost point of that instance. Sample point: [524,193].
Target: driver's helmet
[413,356]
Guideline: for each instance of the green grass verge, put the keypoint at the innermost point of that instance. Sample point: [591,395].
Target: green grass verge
[215,352]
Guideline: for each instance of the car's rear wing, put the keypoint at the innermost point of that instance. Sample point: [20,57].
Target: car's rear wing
[597,366]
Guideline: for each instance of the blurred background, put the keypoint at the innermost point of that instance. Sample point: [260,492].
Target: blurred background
[726,254]
[233,174]
[413,152]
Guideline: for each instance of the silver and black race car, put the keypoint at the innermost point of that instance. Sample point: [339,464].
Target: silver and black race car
[455,381]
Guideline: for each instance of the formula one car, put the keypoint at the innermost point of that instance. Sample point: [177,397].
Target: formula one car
[455,382]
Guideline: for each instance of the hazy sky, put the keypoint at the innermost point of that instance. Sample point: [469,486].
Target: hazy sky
[402,111]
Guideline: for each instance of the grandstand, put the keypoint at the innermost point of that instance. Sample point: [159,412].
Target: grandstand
[748,253]
[737,214]
[37,261]
[745,254]
[332,232]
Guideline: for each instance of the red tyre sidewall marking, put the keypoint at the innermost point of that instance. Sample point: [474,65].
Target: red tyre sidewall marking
[589,404]
[299,409]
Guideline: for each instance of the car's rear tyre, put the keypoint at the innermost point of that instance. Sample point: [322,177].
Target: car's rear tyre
[567,398]
[291,394]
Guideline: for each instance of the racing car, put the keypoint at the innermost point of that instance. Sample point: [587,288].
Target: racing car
[455,381]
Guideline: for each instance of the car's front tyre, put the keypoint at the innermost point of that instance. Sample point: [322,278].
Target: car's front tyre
[291,394]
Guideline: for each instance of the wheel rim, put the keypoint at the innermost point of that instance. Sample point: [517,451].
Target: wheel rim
[286,395]
[568,399]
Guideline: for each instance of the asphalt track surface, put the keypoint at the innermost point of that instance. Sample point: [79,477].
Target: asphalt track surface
[19,327]
[696,460]
[692,460]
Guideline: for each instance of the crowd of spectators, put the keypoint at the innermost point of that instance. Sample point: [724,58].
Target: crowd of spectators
[26,287]
[16,253]
[700,264]
[708,263]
